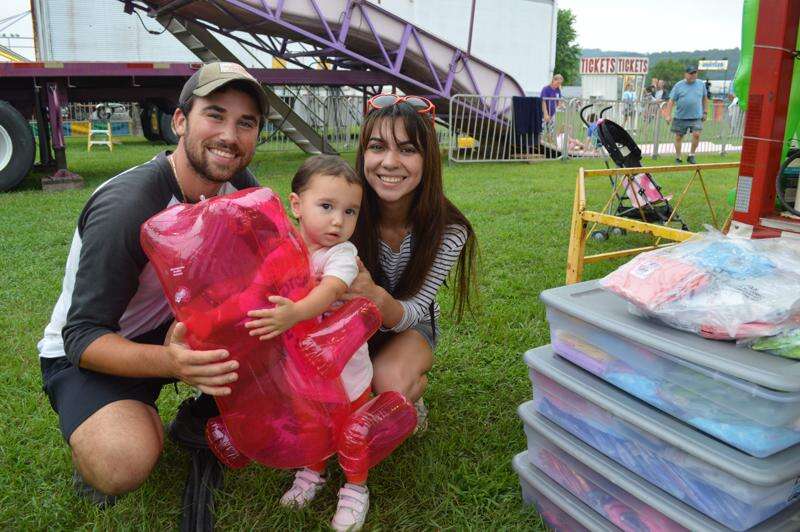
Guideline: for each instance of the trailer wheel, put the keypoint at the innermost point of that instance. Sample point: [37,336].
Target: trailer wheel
[149,119]
[165,127]
[17,147]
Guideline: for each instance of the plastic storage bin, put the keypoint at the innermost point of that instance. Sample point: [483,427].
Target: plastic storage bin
[747,399]
[619,507]
[623,485]
[727,485]
[560,510]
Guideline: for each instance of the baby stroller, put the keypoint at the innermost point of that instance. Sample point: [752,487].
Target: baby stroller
[642,198]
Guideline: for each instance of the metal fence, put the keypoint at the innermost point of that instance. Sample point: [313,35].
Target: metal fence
[77,118]
[485,128]
[343,117]
[330,112]
[490,129]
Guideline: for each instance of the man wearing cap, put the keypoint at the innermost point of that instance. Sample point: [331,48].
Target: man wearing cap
[690,101]
[103,356]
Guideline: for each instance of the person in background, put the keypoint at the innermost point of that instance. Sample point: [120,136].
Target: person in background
[667,89]
[660,92]
[688,98]
[628,105]
[551,96]
[592,136]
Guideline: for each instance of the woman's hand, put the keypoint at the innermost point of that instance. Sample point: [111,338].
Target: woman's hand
[364,286]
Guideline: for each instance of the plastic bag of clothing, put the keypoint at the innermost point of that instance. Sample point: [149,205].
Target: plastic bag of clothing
[223,257]
[785,344]
[716,286]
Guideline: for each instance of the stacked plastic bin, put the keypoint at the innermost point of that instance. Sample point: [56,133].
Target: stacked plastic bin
[636,426]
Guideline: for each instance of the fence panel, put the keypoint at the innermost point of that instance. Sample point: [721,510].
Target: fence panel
[343,115]
[646,122]
[484,128]
[490,129]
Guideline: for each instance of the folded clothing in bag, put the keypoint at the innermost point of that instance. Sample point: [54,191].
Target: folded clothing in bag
[716,286]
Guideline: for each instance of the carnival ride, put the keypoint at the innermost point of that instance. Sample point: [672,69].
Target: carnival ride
[336,43]
[343,35]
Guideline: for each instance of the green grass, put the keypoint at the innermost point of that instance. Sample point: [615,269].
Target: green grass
[456,476]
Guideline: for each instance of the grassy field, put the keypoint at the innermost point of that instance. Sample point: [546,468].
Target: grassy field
[456,476]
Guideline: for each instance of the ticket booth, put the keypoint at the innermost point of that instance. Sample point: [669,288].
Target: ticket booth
[604,78]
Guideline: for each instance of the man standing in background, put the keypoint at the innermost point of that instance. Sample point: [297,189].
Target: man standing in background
[690,101]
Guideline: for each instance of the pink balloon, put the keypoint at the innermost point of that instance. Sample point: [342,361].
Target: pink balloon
[374,431]
[223,257]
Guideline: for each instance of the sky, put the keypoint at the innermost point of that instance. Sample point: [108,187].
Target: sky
[656,26]
[630,25]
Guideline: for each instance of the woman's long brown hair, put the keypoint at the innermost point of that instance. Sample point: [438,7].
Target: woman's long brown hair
[431,212]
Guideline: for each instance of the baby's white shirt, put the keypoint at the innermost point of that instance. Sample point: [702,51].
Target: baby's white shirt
[340,261]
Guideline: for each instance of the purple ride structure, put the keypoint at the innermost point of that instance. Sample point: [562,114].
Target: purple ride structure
[348,35]
[359,44]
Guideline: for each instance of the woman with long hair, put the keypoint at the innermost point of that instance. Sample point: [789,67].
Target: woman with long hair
[409,237]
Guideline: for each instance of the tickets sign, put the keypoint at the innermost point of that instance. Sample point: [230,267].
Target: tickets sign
[614,65]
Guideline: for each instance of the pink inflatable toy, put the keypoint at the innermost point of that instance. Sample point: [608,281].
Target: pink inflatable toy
[223,257]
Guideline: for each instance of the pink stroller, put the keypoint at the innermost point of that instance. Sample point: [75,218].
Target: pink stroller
[642,199]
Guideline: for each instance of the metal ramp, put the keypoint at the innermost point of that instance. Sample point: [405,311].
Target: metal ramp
[347,35]
[207,47]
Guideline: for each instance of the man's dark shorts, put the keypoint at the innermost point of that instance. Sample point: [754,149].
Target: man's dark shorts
[75,394]
[681,126]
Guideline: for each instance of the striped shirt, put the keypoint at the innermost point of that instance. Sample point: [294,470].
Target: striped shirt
[417,308]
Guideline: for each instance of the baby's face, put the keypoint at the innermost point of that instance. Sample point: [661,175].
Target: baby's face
[327,209]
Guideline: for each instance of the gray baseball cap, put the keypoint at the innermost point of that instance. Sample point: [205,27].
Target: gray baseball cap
[212,76]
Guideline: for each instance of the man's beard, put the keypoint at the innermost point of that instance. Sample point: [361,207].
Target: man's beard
[198,159]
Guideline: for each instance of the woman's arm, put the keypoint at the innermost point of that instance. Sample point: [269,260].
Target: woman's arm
[363,286]
[399,315]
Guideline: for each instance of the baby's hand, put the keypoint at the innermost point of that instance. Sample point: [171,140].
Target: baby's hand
[272,322]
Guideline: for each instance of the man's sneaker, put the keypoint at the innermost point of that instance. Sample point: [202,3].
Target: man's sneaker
[96,497]
[691,160]
[678,160]
[352,508]
[307,484]
[422,416]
